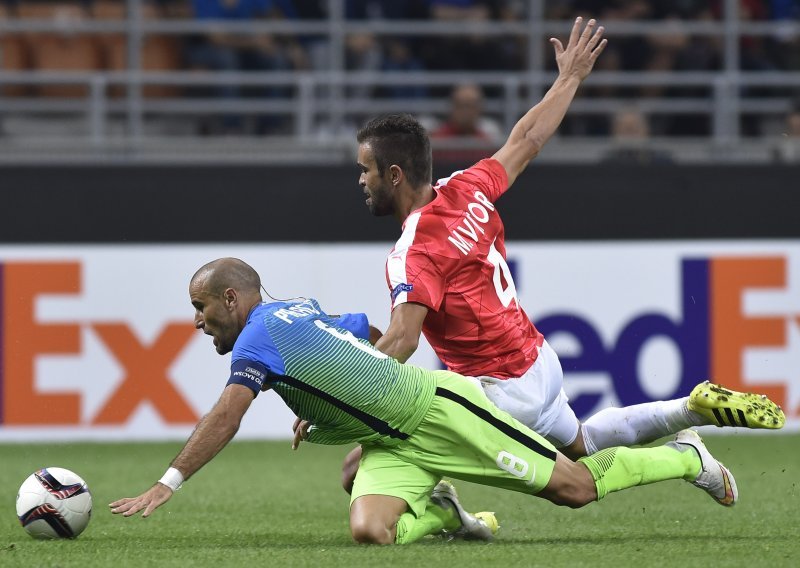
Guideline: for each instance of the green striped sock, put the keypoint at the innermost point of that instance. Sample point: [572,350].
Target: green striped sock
[615,469]
[411,528]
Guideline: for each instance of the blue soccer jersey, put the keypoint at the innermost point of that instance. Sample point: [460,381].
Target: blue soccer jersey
[328,374]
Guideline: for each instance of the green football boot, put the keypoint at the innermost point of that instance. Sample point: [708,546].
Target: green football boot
[723,407]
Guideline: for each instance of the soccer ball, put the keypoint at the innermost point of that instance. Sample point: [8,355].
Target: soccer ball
[54,503]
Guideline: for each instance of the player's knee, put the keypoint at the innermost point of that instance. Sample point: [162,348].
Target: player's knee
[365,532]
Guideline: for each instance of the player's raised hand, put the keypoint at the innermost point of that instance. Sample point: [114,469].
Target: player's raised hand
[148,501]
[582,50]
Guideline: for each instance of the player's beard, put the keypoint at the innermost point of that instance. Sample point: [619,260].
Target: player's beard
[380,201]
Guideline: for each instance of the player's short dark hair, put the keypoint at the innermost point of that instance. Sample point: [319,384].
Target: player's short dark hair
[399,139]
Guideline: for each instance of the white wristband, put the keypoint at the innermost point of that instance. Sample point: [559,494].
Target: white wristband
[172,479]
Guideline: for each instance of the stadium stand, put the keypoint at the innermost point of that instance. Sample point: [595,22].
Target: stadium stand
[158,52]
[714,79]
[62,49]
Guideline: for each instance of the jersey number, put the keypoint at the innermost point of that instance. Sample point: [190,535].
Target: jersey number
[351,339]
[502,272]
[517,467]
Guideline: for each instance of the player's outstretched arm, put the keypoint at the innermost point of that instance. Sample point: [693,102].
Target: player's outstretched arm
[212,433]
[535,128]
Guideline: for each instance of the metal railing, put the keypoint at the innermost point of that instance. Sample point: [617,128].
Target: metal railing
[105,121]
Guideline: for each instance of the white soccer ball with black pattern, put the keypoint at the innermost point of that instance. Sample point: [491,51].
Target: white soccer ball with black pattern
[54,503]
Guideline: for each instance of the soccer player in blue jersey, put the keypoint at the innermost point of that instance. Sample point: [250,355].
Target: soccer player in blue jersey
[414,425]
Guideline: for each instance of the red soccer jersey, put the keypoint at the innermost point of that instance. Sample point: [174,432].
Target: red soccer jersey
[451,258]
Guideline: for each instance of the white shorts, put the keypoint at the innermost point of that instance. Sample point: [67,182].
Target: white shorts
[537,399]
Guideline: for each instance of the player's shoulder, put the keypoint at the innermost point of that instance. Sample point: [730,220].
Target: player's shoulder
[266,315]
[486,169]
[296,310]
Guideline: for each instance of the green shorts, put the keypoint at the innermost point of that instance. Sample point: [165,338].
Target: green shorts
[462,436]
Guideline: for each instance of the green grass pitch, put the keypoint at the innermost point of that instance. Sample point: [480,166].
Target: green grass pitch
[260,504]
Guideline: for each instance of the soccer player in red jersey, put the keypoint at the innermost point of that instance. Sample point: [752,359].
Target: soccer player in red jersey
[449,280]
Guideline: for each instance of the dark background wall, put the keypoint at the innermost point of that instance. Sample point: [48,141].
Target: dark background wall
[138,204]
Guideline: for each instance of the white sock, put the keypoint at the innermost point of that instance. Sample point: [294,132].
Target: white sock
[638,424]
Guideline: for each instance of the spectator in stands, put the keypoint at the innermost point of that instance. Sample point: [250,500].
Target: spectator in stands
[365,52]
[362,53]
[221,51]
[630,133]
[784,9]
[473,51]
[398,56]
[787,42]
[788,149]
[672,49]
[467,126]
[385,9]
[398,53]
[388,53]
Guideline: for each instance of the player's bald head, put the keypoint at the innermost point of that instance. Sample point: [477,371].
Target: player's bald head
[223,273]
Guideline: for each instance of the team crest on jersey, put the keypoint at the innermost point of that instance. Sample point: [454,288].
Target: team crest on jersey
[400,288]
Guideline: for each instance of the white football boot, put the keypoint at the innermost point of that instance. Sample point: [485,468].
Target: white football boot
[481,526]
[714,478]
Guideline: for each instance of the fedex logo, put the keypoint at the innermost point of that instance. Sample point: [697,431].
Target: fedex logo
[23,339]
[714,335]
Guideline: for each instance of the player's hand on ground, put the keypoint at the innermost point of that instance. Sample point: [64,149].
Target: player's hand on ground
[148,501]
[582,50]
[300,429]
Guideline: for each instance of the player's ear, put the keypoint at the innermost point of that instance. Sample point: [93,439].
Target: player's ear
[230,297]
[395,175]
